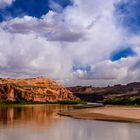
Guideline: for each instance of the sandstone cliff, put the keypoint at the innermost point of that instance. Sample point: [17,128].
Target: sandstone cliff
[38,89]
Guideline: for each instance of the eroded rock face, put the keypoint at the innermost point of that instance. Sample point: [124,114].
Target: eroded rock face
[93,94]
[35,89]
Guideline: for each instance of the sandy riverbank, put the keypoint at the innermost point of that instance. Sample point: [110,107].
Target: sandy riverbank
[120,114]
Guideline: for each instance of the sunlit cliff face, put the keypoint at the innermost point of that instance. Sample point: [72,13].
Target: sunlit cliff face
[74,42]
[38,89]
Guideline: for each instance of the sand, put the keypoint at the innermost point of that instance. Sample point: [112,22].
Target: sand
[120,114]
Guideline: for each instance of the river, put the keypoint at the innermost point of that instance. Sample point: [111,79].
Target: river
[41,122]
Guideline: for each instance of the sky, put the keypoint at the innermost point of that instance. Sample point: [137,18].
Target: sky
[74,42]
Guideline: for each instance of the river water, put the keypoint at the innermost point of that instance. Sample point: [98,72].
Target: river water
[41,122]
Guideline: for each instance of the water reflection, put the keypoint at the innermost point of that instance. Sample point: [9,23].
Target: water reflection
[43,123]
[40,115]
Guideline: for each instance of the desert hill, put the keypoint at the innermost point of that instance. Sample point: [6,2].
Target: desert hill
[93,94]
[38,89]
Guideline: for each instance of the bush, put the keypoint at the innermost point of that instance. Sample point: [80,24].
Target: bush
[24,102]
[123,101]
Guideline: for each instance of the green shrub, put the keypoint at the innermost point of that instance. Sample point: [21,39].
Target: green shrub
[24,102]
[123,101]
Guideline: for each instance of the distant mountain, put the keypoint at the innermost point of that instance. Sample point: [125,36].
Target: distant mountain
[92,94]
[38,89]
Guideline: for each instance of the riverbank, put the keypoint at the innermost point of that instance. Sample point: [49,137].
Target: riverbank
[108,113]
[23,103]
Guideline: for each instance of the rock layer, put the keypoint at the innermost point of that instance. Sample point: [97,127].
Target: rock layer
[38,89]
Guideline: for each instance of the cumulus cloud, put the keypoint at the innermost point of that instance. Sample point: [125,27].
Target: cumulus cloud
[5,3]
[46,27]
[29,56]
[81,34]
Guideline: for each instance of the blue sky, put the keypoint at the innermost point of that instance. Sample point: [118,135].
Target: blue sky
[129,14]
[72,41]
[35,8]
[124,53]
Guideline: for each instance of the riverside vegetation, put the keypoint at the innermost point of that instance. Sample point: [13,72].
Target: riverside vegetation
[24,102]
[123,101]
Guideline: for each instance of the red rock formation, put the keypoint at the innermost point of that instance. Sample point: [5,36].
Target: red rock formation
[35,89]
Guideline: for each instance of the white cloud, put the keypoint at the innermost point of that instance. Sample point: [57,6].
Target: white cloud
[83,34]
[55,6]
[28,55]
[5,3]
